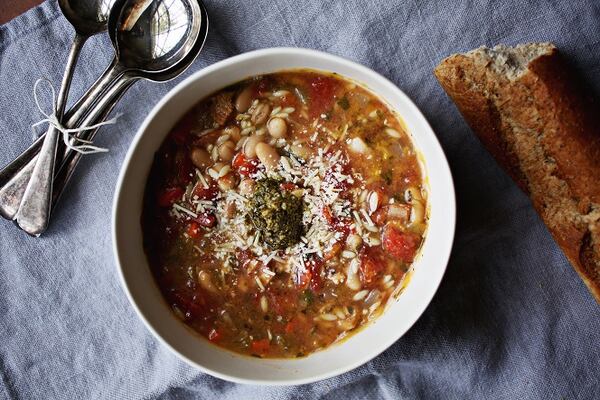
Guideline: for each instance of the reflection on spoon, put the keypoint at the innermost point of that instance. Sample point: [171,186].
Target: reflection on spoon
[152,34]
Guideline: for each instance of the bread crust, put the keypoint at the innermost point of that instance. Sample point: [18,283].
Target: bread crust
[544,131]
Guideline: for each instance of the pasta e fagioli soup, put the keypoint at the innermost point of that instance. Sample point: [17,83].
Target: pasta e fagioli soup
[282,213]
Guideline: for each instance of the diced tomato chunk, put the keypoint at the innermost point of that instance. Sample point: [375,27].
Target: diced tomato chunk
[170,196]
[209,193]
[310,275]
[315,265]
[296,325]
[260,346]
[341,225]
[290,327]
[380,216]
[331,179]
[321,93]
[281,301]
[289,186]
[193,230]
[244,165]
[400,245]
[192,305]
[244,256]
[207,220]
[371,266]
[333,251]
[328,215]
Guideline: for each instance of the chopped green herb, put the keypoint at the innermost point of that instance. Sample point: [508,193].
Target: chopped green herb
[386,175]
[344,103]
[308,296]
[276,214]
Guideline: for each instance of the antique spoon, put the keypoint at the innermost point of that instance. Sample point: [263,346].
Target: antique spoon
[87,18]
[153,40]
[15,176]
[107,103]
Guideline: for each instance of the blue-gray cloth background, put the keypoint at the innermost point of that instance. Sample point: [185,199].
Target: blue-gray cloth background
[511,320]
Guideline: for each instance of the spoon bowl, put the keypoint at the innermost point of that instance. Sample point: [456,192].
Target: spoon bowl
[152,36]
[87,17]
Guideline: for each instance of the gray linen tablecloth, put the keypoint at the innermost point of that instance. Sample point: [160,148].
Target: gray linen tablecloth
[511,319]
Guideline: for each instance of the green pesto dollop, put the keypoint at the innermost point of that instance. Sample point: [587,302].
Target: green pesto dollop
[276,214]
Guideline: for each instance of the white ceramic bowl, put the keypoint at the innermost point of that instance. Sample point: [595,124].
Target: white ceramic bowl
[144,294]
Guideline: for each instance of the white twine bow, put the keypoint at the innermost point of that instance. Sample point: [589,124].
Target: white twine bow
[68,134]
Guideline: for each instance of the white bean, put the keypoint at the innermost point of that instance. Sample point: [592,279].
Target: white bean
[230,210]
[354,241]
[205,281]
[227,150]
[246,187]
[357,145]
[398,211]
[302,151]
[268,155]
[250,145]
[233,132]
[227,182]
[277,127]
[200,157]
[260,114]
[244,99]
[218,167]
[393,133]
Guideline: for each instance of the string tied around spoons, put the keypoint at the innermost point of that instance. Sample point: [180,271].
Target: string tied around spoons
[69,136]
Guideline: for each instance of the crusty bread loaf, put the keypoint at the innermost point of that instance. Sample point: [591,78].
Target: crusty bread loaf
[529,111]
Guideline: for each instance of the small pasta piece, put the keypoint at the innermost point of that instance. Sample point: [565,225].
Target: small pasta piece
[206,282]
[417,213]
[360,295]
[264,304]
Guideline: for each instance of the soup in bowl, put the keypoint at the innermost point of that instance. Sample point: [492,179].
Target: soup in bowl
[282,205]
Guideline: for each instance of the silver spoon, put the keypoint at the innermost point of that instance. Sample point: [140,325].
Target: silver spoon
[107,103]
[15,176]
[87,18]
[153,40]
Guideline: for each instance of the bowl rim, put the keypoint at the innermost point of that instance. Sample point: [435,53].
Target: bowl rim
[443,256]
